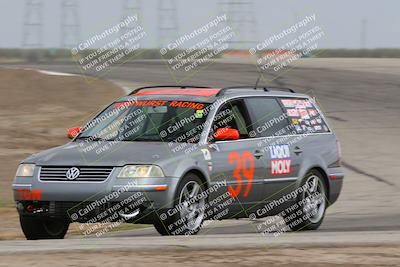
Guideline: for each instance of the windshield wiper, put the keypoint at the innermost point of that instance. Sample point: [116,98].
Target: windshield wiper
[144,140]
[92,138]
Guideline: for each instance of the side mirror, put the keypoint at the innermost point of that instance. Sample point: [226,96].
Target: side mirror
[226,134]
[72,132]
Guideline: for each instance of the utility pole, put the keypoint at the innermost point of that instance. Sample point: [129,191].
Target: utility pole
[241,18]
[363,38]
[33,24]
[70,27]
[167,22]
[32,38]
[131,8]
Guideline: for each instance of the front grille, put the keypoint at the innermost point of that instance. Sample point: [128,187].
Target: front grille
[86,174]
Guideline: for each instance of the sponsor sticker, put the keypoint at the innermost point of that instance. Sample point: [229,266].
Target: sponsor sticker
[279,151]
[25,194]
[304,114]
[312,112]
[280,167]
[292,113]
[318,127]
[215,147]
[307,103]
[210,166]
[159,103]
[143,103]
[295,121]
[280,159]
[206,154]
[289,103]
[300,104]
[185,104]
[199,114]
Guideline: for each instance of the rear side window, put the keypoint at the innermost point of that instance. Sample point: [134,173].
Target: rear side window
[268,118]
[303,116]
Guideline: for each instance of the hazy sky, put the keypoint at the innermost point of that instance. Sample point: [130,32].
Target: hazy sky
[340,19]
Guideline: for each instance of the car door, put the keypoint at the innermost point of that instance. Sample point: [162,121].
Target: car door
[238,162]
[282,156]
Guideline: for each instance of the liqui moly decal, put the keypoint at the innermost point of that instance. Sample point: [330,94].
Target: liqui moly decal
[280,160]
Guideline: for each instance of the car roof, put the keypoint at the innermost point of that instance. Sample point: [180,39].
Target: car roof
[206,94]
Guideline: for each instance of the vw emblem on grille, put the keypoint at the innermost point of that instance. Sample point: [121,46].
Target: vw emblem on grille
[72,173]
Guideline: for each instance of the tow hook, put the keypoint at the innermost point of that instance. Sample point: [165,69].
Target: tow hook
[30,208]
[130,215]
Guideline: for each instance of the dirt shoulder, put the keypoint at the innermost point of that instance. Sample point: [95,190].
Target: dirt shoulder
[35,112]
[344,256]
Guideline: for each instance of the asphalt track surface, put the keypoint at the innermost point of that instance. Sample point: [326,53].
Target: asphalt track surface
[363,107]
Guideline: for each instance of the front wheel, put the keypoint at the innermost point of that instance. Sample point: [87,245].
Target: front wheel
[187,216]
[309,211]
[43,228]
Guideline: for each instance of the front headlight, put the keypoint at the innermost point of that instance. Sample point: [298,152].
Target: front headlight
[25,170]
[140,171]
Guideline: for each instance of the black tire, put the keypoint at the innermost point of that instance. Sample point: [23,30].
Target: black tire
[43,228]
[309,212]
[172,222]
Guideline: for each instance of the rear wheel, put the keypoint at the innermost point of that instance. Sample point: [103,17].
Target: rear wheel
[187,216]
[43,228]
[310,205]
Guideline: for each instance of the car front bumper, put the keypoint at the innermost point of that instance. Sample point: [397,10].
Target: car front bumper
[55,197]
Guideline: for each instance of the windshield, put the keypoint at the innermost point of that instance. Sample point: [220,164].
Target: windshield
[148,120]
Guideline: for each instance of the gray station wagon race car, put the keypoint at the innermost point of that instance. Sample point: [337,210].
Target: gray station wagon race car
[175,156]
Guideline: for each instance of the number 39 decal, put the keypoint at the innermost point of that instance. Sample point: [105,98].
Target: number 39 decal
[241,169]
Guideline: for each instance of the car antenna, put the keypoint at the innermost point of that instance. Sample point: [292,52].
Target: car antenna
[258,79]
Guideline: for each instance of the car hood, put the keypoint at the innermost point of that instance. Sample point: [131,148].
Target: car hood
[84,153]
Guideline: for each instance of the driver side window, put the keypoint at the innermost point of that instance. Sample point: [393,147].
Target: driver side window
[232,115]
